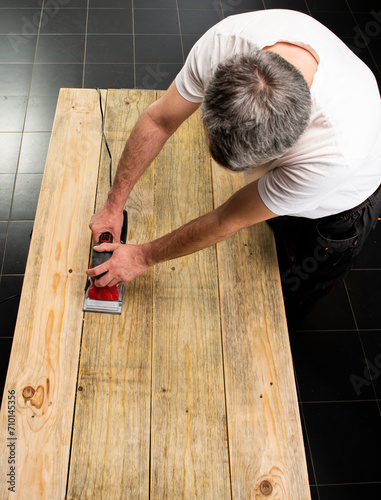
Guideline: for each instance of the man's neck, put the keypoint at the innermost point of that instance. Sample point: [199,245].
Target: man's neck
[299,57]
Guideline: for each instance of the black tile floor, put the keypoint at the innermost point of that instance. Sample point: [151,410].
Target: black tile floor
[48,44]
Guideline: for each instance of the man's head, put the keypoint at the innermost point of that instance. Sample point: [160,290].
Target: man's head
[255,108]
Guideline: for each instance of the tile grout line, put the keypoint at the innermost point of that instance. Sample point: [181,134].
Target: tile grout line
[180,31]
[133,41]
[304,422]
[85,47]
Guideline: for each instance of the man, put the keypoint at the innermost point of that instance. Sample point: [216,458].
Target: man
[285,101]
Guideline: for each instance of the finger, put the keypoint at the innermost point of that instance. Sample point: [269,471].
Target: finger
[113,282]
[106,247]
[106,280]
[96,271]
[102,282]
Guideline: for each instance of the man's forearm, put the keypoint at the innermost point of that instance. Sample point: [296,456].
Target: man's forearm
[196,235]
[243,209]
[145,142]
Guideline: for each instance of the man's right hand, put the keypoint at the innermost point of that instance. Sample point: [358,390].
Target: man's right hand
[107,220]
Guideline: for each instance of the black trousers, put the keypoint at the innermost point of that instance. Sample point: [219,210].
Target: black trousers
[315,254]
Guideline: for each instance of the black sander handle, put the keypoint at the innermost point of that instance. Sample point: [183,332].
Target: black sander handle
[99,258]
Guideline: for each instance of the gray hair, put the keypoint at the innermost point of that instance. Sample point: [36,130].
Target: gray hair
[255,108]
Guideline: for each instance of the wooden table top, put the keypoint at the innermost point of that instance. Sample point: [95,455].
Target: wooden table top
[190,392]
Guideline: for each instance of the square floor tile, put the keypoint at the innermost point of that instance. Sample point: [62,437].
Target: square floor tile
[109,49]
[156,76]
[198,21]
[19,4]
[188,43]
[332,312]
[153,21]
[7,182]
[328,5]
[285,4]
[49,78]
[342,24]
[63,21]
[158,49]
[369,257]
[200,4]
[60,49]
[15,79]
[26,195]
[40,114]
[231,7]
[371,341]
[110,21]
[17,247]
[327,366]
[345,441]
[63,4]
[10,290]
[375,48]
[10,148]
[22,21]
[3,234]
[12,113]
[370,25]
[109,76]
[364,289]
[152,4]
[362,5]
[110,4]
[17,48]
[34,149]
[350,492]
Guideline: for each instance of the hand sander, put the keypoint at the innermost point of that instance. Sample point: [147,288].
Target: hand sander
[107,299]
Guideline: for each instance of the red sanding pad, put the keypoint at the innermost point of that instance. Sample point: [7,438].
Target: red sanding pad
[103,293]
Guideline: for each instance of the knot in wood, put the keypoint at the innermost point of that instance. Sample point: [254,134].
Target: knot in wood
[28,392]
[266,488]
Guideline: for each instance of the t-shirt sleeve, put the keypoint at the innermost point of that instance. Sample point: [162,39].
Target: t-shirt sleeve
[193,77]
[220,42]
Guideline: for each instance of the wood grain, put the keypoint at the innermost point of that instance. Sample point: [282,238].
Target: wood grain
[44,359]
[265,437]
[189,455]
[190,392]
[111,437]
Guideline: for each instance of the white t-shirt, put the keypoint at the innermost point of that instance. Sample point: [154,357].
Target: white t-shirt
[336,164]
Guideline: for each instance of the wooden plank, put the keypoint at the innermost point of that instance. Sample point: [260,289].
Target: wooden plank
[189,455]
[111,437]
[265,436]
[43,364]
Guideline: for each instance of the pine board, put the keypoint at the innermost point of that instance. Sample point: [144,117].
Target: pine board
[114,385]
[43,365]
[189,455]
[265,437]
